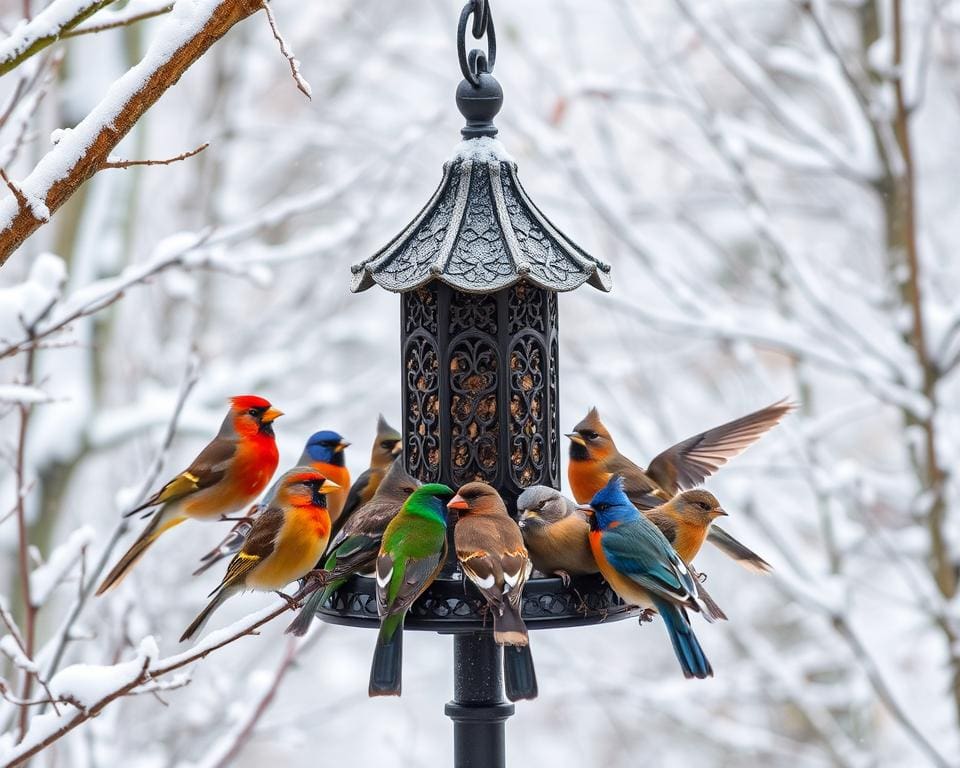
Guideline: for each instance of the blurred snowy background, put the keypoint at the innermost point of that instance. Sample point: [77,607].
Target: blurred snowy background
[776,186]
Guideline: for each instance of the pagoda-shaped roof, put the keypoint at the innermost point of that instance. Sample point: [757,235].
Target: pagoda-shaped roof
[480,232]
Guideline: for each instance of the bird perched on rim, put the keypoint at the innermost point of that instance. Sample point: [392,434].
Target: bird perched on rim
[594,458]
[640,565]
[227,475]
[492,555]
[411,556]
[320,443]
[556,533]
[685,521]
[324,452]
[354,549]
[387,446]
[284,543]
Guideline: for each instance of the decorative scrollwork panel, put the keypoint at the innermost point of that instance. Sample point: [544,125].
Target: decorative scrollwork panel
[422,363]
[475,428]
[528,440]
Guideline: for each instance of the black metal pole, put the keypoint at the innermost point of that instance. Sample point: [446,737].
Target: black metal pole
[478,710]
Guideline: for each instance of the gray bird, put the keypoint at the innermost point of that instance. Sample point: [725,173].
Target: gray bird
[556,533]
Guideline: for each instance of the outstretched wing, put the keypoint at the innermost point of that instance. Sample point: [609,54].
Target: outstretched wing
[257,548]
[687,464]
[206,470]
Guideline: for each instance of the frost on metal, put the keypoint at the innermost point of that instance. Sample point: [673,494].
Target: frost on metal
[480,232]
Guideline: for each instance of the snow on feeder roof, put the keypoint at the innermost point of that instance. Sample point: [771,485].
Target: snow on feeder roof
[480,232]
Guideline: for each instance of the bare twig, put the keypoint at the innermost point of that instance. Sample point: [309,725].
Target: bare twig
[17,192]
[168,161]
[302,85]
[88,29]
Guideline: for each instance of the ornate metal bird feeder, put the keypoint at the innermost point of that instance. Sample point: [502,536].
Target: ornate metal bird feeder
[479,270]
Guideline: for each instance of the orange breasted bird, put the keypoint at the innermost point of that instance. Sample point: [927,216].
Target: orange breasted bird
[324,452]
[412,553]
[492,555]
[594,458]
[355,547]
[233,541]
[640,565]
[386,447]
[227,475]
[556,533]
[284,543]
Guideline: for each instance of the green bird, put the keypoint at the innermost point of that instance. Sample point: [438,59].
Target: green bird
[354,549]
[412,553]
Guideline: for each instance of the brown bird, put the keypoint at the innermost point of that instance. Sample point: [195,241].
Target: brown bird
[556,533]
[492,555]
[386,447]
[594,459]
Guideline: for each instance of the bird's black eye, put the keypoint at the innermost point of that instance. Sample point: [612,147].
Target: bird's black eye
[253,412]
[589,434]
[387,445]
[542,504]
[704,506]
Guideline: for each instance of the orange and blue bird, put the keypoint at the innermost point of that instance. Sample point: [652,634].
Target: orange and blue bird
[594,459]
[640,565]
[227,475]
[285,542]
[324,452]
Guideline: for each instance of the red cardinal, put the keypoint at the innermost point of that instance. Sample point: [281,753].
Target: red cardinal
[227,475]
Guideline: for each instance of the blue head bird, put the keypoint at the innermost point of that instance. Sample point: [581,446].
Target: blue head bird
[324,447]
[611,507]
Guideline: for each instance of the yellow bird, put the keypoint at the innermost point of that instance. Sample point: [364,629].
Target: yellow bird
[287,539]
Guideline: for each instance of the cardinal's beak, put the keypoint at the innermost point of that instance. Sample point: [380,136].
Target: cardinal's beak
[271,414]
[397,449]
[576,438]
[585,508]
[328,486]
[340,446]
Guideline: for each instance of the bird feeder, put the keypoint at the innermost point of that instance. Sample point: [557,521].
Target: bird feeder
[479,271]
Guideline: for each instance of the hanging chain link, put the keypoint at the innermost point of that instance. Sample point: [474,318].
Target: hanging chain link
[476,62]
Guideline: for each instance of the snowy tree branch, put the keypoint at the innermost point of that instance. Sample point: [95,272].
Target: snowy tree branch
[45,29]
[183,39]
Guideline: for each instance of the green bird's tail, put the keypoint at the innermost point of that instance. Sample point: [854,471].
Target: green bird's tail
[519,676]
[387,669]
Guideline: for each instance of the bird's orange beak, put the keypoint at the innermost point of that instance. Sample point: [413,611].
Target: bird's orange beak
[577,439]
[397,449]
[328,486]
[271,414]
[340,446]
[720,512]
[458,502]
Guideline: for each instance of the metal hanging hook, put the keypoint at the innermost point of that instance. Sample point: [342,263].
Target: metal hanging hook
[472,64]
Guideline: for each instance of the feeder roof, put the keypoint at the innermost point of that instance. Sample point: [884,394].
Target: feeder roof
[480,232]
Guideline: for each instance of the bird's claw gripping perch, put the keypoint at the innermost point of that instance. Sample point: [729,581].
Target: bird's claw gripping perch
[646,615]
[292,602]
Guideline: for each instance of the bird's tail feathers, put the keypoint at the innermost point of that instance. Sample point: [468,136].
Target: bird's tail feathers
[508,627]
[519,675]
[299,626]
[737,551]
[161,522]
[386,671]
[692,659]
[204,616]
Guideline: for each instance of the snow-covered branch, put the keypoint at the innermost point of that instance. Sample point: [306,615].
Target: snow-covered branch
[186,35]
